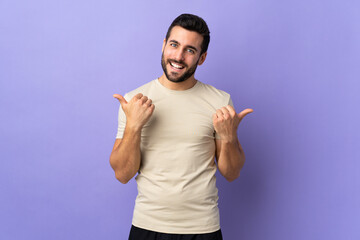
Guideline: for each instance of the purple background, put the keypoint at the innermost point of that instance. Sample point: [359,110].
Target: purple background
[296,63]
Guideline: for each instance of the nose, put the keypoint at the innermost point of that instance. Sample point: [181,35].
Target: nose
[179,55]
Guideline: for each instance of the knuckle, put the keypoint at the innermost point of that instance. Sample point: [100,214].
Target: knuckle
[138,102]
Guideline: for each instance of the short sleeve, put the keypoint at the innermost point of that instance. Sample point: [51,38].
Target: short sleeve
[230,102]
[121,121]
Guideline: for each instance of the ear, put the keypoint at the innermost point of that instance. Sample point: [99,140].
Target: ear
[202,58]
[163,46]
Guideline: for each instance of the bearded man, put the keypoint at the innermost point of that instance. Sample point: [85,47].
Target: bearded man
[170,132]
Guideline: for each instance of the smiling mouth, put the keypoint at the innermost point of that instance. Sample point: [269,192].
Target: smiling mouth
[176,66]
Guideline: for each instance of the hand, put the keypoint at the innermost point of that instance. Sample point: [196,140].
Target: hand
[226,122]
[138,110]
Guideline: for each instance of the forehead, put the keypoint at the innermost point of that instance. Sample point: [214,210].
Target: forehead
[186,37]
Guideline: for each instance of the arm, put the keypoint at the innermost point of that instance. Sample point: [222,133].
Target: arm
[229,153]
[125,157]
[230,158]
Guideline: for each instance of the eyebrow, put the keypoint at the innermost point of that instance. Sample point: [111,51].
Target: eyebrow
[188,46]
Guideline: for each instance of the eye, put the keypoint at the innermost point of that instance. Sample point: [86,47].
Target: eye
[191,51]
[173,44]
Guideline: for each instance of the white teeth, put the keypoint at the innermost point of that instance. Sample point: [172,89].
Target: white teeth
[176,66]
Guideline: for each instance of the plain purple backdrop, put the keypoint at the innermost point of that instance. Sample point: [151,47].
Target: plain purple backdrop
[296,63]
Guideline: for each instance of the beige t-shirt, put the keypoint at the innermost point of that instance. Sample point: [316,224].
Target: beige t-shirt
[176,181]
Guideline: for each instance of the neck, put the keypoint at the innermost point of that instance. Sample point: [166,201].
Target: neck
[180,86]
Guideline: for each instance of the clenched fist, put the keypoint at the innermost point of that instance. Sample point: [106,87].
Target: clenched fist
[138,110]
[226,122]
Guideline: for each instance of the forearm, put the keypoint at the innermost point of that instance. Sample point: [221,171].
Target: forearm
[231,159]
[126,158]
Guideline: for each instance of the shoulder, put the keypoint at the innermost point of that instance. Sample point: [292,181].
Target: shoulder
[144,89]
[214,93]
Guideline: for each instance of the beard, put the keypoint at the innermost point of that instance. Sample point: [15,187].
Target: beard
[175,77]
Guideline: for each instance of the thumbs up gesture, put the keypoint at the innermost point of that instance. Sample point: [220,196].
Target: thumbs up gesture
[138,110]
[226,122]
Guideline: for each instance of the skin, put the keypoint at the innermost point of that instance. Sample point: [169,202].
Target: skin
[183,48]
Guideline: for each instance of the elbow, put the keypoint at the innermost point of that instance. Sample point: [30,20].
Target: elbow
[118,174]
[112,161]
[121,178]
[232,177]
[230,173]
[234,173]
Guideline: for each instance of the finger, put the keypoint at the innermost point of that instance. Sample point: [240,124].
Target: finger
[219,113]
[214,116]
[151,108]
[144,99]
[148,102]
[139,95]
[225,112]
[245,112]
[121,99]
[231,110]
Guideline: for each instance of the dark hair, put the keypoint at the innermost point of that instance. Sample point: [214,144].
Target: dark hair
[192,23]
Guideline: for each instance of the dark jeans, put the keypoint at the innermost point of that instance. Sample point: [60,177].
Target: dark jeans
[143,234]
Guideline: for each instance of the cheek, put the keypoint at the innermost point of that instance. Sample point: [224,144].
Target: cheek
[168,52]
[195,60]
[167,56]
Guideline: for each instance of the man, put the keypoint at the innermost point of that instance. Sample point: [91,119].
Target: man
[170,131]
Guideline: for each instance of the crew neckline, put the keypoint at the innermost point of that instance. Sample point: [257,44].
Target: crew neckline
[197,84]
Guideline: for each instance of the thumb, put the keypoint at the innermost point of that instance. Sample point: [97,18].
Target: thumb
[245,112]
[121,99]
